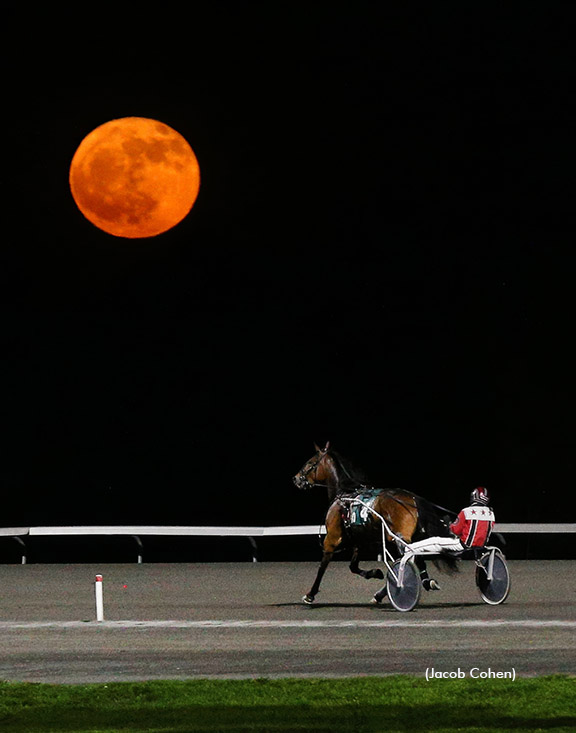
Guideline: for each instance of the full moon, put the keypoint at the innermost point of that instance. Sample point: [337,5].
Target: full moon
[134,177]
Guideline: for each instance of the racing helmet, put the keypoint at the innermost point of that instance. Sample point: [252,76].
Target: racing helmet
[480,496]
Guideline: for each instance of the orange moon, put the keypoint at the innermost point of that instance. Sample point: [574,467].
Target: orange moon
[134,177]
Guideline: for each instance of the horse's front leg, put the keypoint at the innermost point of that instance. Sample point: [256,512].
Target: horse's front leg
[355,567]
[333,540]
[311,595]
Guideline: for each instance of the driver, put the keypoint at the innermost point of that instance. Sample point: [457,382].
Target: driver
[472,528]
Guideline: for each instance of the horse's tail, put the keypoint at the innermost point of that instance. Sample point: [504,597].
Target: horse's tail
[434,521]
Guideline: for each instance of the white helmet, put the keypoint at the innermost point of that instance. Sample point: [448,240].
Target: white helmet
[479,496]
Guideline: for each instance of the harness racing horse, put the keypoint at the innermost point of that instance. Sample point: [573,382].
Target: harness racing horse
[408,515]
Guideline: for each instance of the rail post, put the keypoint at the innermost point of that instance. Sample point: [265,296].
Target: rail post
[140,548]
[99,598]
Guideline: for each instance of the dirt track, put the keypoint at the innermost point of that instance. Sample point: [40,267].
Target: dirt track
[246,620]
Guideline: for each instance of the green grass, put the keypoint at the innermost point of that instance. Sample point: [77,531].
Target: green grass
[400,703]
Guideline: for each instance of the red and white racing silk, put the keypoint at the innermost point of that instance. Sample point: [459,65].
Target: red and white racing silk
[474,525]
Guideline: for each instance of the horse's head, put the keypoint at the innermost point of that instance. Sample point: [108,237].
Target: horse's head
[318,471]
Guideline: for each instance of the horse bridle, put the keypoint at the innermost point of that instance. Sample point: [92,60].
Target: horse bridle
[312,467]
[303,482]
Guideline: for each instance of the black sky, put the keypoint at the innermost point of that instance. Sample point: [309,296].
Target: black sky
[381,255]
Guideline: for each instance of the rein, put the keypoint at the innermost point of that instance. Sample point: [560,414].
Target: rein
[410,509]
[437,506]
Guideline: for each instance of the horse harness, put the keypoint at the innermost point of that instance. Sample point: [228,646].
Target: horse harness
[346,503]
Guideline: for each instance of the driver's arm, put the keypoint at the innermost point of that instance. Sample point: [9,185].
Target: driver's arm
[457,527]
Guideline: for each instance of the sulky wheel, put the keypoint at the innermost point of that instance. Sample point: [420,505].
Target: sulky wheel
[494,589]
[404,597]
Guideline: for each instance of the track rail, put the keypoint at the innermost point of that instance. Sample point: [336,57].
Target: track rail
[19,534]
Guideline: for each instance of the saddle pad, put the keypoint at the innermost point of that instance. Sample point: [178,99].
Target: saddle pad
[359,515]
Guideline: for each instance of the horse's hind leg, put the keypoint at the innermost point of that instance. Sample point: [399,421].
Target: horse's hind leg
[379,596]
[428,583]
[355,568]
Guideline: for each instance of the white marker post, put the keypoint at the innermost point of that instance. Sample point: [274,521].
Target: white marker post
[99,598]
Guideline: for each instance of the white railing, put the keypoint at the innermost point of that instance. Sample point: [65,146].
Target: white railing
[251,533]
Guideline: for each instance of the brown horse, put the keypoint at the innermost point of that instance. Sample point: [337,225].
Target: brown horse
[409,516]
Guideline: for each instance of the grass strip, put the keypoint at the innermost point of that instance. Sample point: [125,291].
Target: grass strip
[399,703]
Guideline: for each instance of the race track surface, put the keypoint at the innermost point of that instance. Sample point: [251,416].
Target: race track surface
[182,621]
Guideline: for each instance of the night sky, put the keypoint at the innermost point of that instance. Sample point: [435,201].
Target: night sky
[381,255]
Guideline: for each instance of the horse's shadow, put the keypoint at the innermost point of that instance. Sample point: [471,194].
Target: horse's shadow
[380,607]
[436,606]
[315,606]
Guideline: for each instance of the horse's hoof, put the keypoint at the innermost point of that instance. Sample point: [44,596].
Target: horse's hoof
[430,584]
[308,600]
[379,596]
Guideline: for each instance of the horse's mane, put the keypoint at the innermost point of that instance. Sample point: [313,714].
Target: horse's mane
[350,477]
